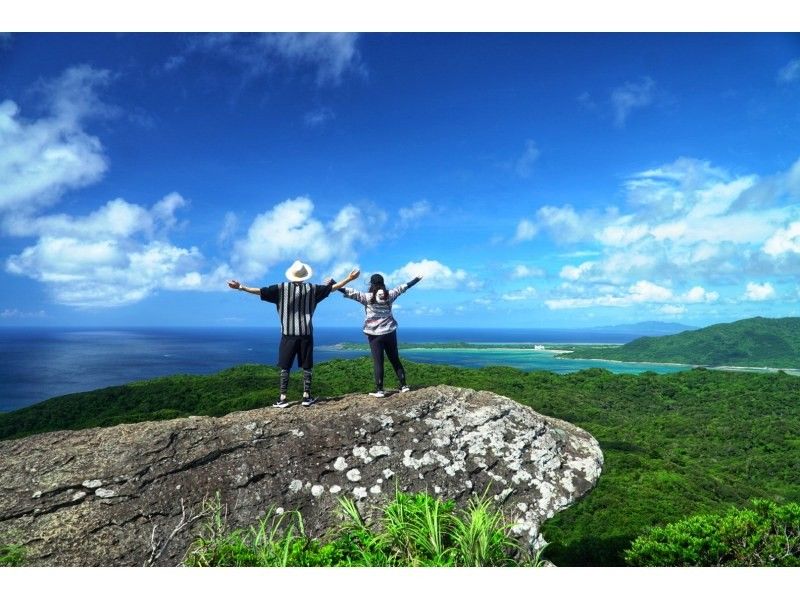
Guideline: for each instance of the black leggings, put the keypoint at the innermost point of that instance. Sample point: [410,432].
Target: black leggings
[388,343]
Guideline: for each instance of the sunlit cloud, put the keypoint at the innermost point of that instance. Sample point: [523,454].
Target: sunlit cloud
[759,292]
[289,231]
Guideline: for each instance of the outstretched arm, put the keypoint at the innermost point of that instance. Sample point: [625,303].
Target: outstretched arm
[350,277]
[397,291]
[235,284]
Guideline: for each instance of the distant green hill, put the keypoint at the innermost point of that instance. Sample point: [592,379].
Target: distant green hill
[757,342]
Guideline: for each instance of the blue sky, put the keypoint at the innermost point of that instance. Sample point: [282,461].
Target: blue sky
[536,180]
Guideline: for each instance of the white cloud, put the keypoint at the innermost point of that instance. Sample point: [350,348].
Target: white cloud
[642,292]
[330,55]
[289,231]
[685,222]
[436,275]
[523,271]
[524,164]
[759,292]
[575,272]
[630,96]
[521,295]
[526,230]
[790,72]
[622,236]
[700,295]
[114,256]
[42,159]
[414,213]
[783,241]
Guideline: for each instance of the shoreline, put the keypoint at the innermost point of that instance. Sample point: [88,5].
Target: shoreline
[724,368]
[558,353]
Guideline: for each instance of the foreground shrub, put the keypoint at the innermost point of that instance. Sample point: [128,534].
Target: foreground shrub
[412,530]
[765,535]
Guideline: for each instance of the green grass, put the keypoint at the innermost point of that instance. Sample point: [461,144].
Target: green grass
[12,555]
[675,445]
[413,530]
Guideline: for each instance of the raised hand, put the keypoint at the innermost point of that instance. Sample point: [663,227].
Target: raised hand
[234,284]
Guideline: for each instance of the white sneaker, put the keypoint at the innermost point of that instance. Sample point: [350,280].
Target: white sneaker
[405,389]
[308,401]
[281,403]
[378,393]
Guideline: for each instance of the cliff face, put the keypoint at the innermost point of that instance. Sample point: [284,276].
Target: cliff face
[128,495]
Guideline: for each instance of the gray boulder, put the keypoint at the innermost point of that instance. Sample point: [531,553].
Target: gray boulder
[133,494]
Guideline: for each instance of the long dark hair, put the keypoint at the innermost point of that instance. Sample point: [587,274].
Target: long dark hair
[376,284]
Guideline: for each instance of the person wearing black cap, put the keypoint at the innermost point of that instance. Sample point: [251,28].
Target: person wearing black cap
[295,302]
[381,327]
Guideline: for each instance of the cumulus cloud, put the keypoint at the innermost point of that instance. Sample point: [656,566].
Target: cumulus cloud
[330,56]
[116,255]
[42,159]
[683,222]
[290,231]
[630,96]
[436,274]
[790,72]
[642,292]
[524,164]
[784,240]
[575,272]
[759,292]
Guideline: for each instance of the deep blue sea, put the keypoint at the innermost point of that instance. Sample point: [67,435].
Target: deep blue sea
[36,363]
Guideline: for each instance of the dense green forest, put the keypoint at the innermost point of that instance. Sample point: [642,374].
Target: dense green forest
[758,342]
[448,345]
[675,445]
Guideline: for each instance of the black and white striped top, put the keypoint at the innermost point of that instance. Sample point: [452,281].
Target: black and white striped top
[295,302]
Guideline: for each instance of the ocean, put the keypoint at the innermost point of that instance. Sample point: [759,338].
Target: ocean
[39,363]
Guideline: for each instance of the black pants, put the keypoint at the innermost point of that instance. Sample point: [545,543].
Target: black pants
[301,347]
[378,344]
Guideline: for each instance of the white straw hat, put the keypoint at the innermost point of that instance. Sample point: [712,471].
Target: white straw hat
[298,272]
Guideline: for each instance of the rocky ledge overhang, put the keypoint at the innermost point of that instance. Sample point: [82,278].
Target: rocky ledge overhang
[131,494]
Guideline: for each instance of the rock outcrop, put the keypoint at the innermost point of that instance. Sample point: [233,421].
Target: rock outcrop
[128,495]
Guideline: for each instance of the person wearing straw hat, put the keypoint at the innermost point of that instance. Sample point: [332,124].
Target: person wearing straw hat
[295,302]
